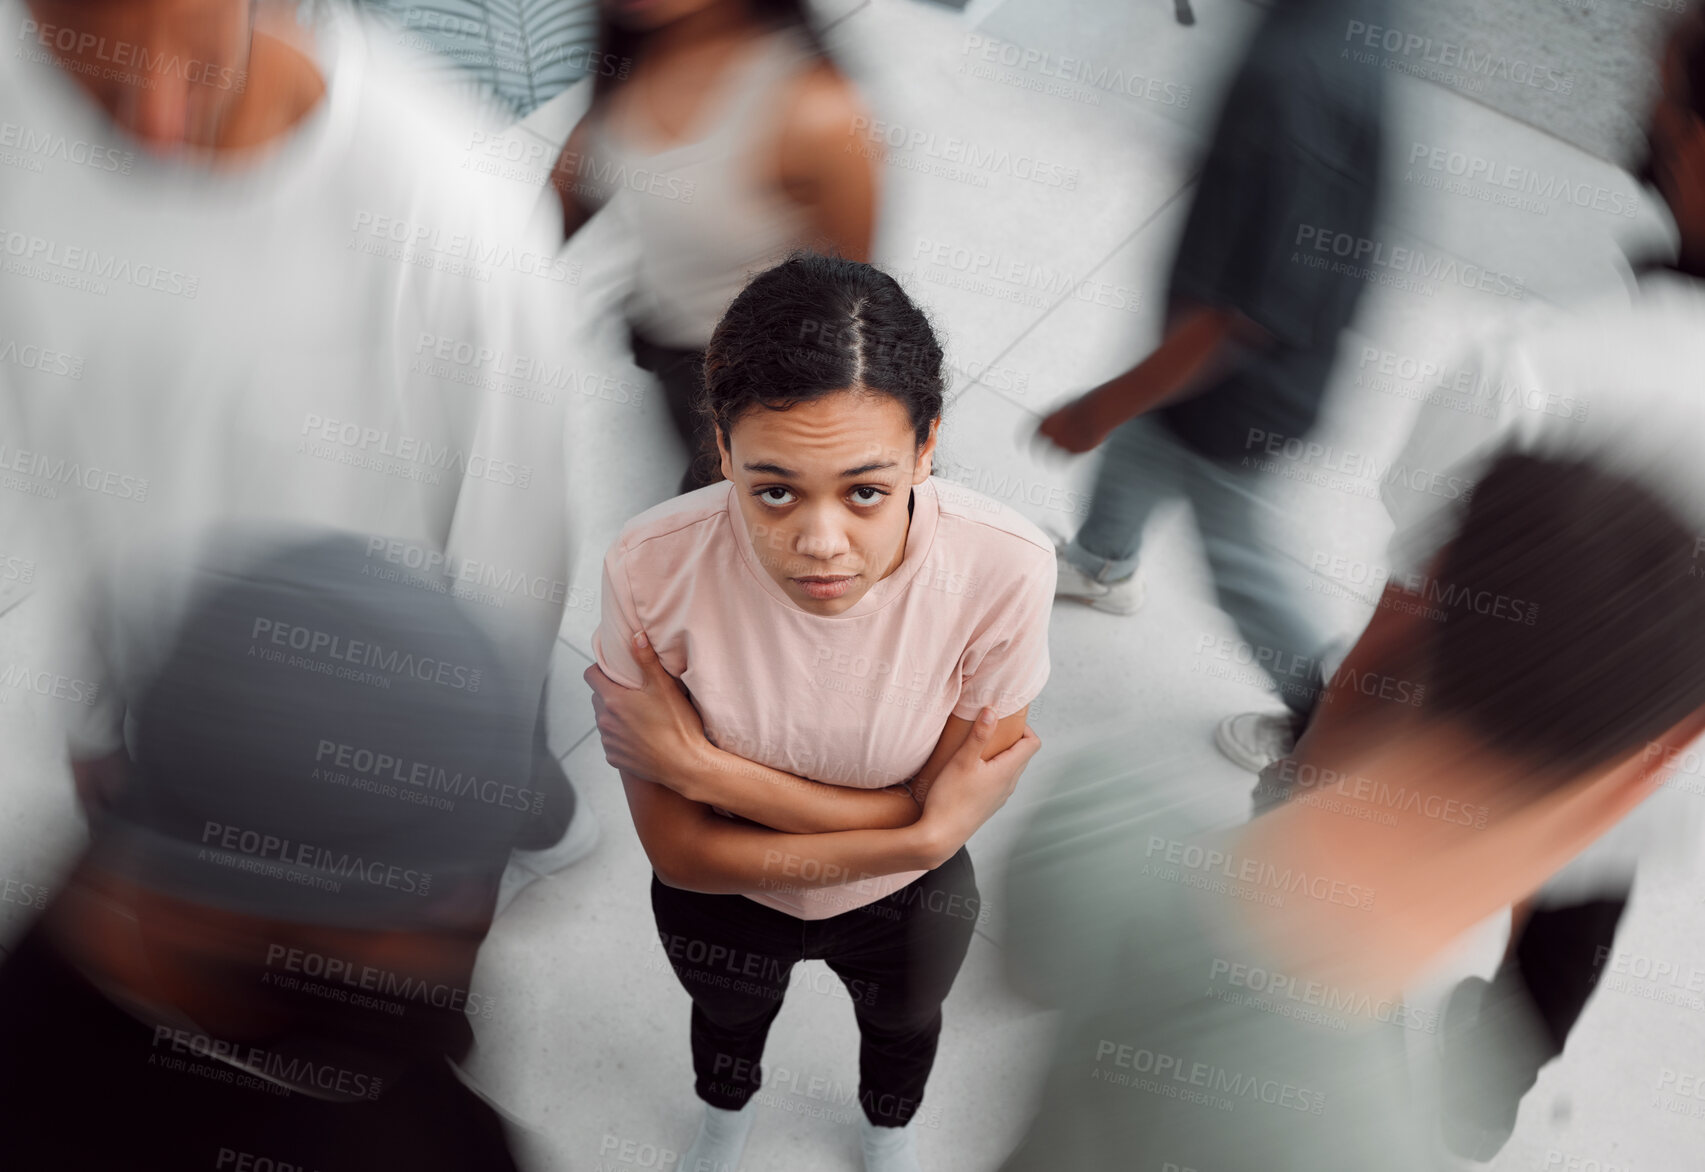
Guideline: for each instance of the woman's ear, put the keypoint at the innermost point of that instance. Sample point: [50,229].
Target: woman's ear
[926,454]
[726,460]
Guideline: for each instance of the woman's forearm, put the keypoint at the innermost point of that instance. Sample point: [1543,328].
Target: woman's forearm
[797,805]
[696,849]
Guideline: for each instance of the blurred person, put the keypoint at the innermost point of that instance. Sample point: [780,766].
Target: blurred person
[857,647]
[250,248]
[1250,340]
[1233,998]
[1613,381]
[264,956]
[726,138]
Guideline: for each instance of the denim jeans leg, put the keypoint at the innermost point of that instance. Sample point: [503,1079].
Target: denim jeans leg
[1138,471]
[1254,550]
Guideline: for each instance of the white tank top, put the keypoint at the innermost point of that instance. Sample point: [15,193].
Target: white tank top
[707,214]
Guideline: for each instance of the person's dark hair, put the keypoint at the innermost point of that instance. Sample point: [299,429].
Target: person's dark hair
[618,45]
[1606,649]
[814,325]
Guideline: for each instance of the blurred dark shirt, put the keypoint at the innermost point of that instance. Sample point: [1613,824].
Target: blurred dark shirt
[1297,148]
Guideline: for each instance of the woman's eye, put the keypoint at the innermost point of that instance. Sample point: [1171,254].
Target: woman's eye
[775,496]
[866,495]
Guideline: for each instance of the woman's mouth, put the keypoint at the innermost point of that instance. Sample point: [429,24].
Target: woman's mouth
[826,587]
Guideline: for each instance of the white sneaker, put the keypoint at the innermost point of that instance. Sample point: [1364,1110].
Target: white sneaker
[721,1140]
[1122,597]
[524,867]
[1254,740]
[888,1149]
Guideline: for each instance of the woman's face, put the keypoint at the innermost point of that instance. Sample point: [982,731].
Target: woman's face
[825,487]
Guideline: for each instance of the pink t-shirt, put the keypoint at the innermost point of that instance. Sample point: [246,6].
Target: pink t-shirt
[858,698]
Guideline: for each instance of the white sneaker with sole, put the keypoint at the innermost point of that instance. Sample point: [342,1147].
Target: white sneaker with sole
[524,867]
[1122,597]
[1254,740]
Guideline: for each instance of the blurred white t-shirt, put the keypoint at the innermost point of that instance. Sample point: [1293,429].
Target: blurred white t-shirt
[347,328]
[1618,381]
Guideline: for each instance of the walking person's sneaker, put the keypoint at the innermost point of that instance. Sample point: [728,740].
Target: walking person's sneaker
[1122,597]
[721,1140]
[525,867]
[1255,740]
[888,1149]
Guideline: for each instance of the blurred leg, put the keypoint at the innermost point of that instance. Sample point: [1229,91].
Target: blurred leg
[1138,471]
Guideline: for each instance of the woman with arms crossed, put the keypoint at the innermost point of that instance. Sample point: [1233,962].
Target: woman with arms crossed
[842,625]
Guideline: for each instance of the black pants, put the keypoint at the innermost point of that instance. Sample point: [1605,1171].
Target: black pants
[897,957]
[85,1086]
[682,374]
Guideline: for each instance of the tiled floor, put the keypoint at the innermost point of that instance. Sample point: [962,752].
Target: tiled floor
[586,1044]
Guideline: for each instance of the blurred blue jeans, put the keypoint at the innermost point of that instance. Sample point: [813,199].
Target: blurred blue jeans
[1258,566]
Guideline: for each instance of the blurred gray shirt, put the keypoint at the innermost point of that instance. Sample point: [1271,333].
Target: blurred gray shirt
[1180,1045]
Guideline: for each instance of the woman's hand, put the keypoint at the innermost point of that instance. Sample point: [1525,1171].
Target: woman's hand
[968,790]
[652,731]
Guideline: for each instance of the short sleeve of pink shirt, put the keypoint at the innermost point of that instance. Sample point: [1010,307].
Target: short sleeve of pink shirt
[859,698]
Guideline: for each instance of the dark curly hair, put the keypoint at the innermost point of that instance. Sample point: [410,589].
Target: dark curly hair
[814,325]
